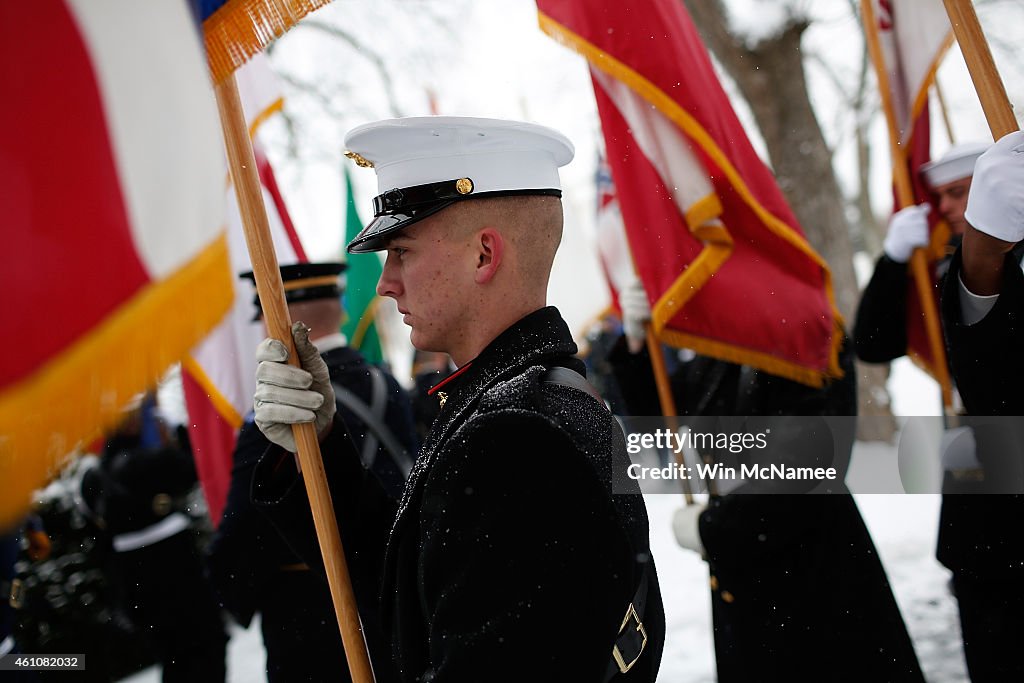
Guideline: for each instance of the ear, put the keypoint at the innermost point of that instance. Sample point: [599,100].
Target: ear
[490,250]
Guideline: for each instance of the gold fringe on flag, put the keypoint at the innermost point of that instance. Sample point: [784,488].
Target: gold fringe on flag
[718,242]
[241,28]
[44,417]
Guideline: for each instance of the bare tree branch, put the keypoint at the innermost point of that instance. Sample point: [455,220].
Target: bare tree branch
[365,52]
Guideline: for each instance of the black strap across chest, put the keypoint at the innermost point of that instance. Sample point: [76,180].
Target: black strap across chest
[632,638]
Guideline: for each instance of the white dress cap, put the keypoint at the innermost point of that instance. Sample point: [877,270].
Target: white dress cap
[425,164]
[955,164]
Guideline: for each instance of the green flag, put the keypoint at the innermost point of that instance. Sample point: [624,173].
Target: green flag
[360,298]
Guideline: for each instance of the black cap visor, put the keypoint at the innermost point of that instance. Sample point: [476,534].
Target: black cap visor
[374,237]
[399,208]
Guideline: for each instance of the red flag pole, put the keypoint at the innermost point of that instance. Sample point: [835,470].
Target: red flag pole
[275,312]
[905,197]
[982,67]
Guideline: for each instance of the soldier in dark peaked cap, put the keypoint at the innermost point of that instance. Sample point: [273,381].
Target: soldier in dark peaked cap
[252,567]
[510,559]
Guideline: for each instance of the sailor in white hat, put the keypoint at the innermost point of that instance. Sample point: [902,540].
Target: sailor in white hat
[880,330]
[949,179]
[511,499]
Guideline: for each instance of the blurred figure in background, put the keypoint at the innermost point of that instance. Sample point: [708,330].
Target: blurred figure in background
[797,589]
[880,330]
[251,565]
[140,492]
[981,539]
[33,539]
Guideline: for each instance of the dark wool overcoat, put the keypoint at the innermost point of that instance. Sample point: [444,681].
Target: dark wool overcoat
[510,558]
[798,592]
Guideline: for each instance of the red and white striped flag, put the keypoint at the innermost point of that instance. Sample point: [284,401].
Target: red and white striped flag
[612,245]
[913,36]
[112,175]
[718,250]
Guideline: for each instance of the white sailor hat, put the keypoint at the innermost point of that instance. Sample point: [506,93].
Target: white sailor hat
[425,164]
[955,164]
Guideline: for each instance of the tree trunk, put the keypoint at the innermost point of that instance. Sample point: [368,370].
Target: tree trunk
[770,75]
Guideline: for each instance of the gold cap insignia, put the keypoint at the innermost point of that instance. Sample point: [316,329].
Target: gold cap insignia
[464,185]
[361,161]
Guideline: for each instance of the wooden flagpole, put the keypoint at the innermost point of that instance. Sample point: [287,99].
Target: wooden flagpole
[982,67]
[275,312]
[945,112]
[668,402]
[905,197]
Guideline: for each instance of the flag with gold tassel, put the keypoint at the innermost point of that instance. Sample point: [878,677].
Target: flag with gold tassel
[115,261]
[719,252]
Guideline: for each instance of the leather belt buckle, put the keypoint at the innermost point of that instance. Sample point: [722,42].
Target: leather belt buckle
[631,615]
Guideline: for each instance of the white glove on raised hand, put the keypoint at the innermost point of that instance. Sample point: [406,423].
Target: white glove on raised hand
[286,395]
[995,204]
[636,310]
[685,525]
[908,230]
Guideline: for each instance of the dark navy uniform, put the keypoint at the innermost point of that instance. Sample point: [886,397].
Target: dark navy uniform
[798,591]
[509,558]
[254,570]
[981,538]
[140,493]
[9,544]
[880,331]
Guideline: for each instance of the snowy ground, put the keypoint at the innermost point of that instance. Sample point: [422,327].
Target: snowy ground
[903,527]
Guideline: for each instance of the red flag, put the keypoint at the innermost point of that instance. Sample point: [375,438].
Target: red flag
[714,243]
[114,262]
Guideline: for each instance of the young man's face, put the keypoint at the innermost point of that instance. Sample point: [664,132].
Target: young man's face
[430,275]
[953,203]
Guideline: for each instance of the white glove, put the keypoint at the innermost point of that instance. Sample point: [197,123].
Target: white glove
[686,528]
[636,310]
[287,395]
[908,230]
[959,449]
[995,204]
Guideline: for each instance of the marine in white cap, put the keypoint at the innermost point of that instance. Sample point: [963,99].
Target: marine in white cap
[510,559]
